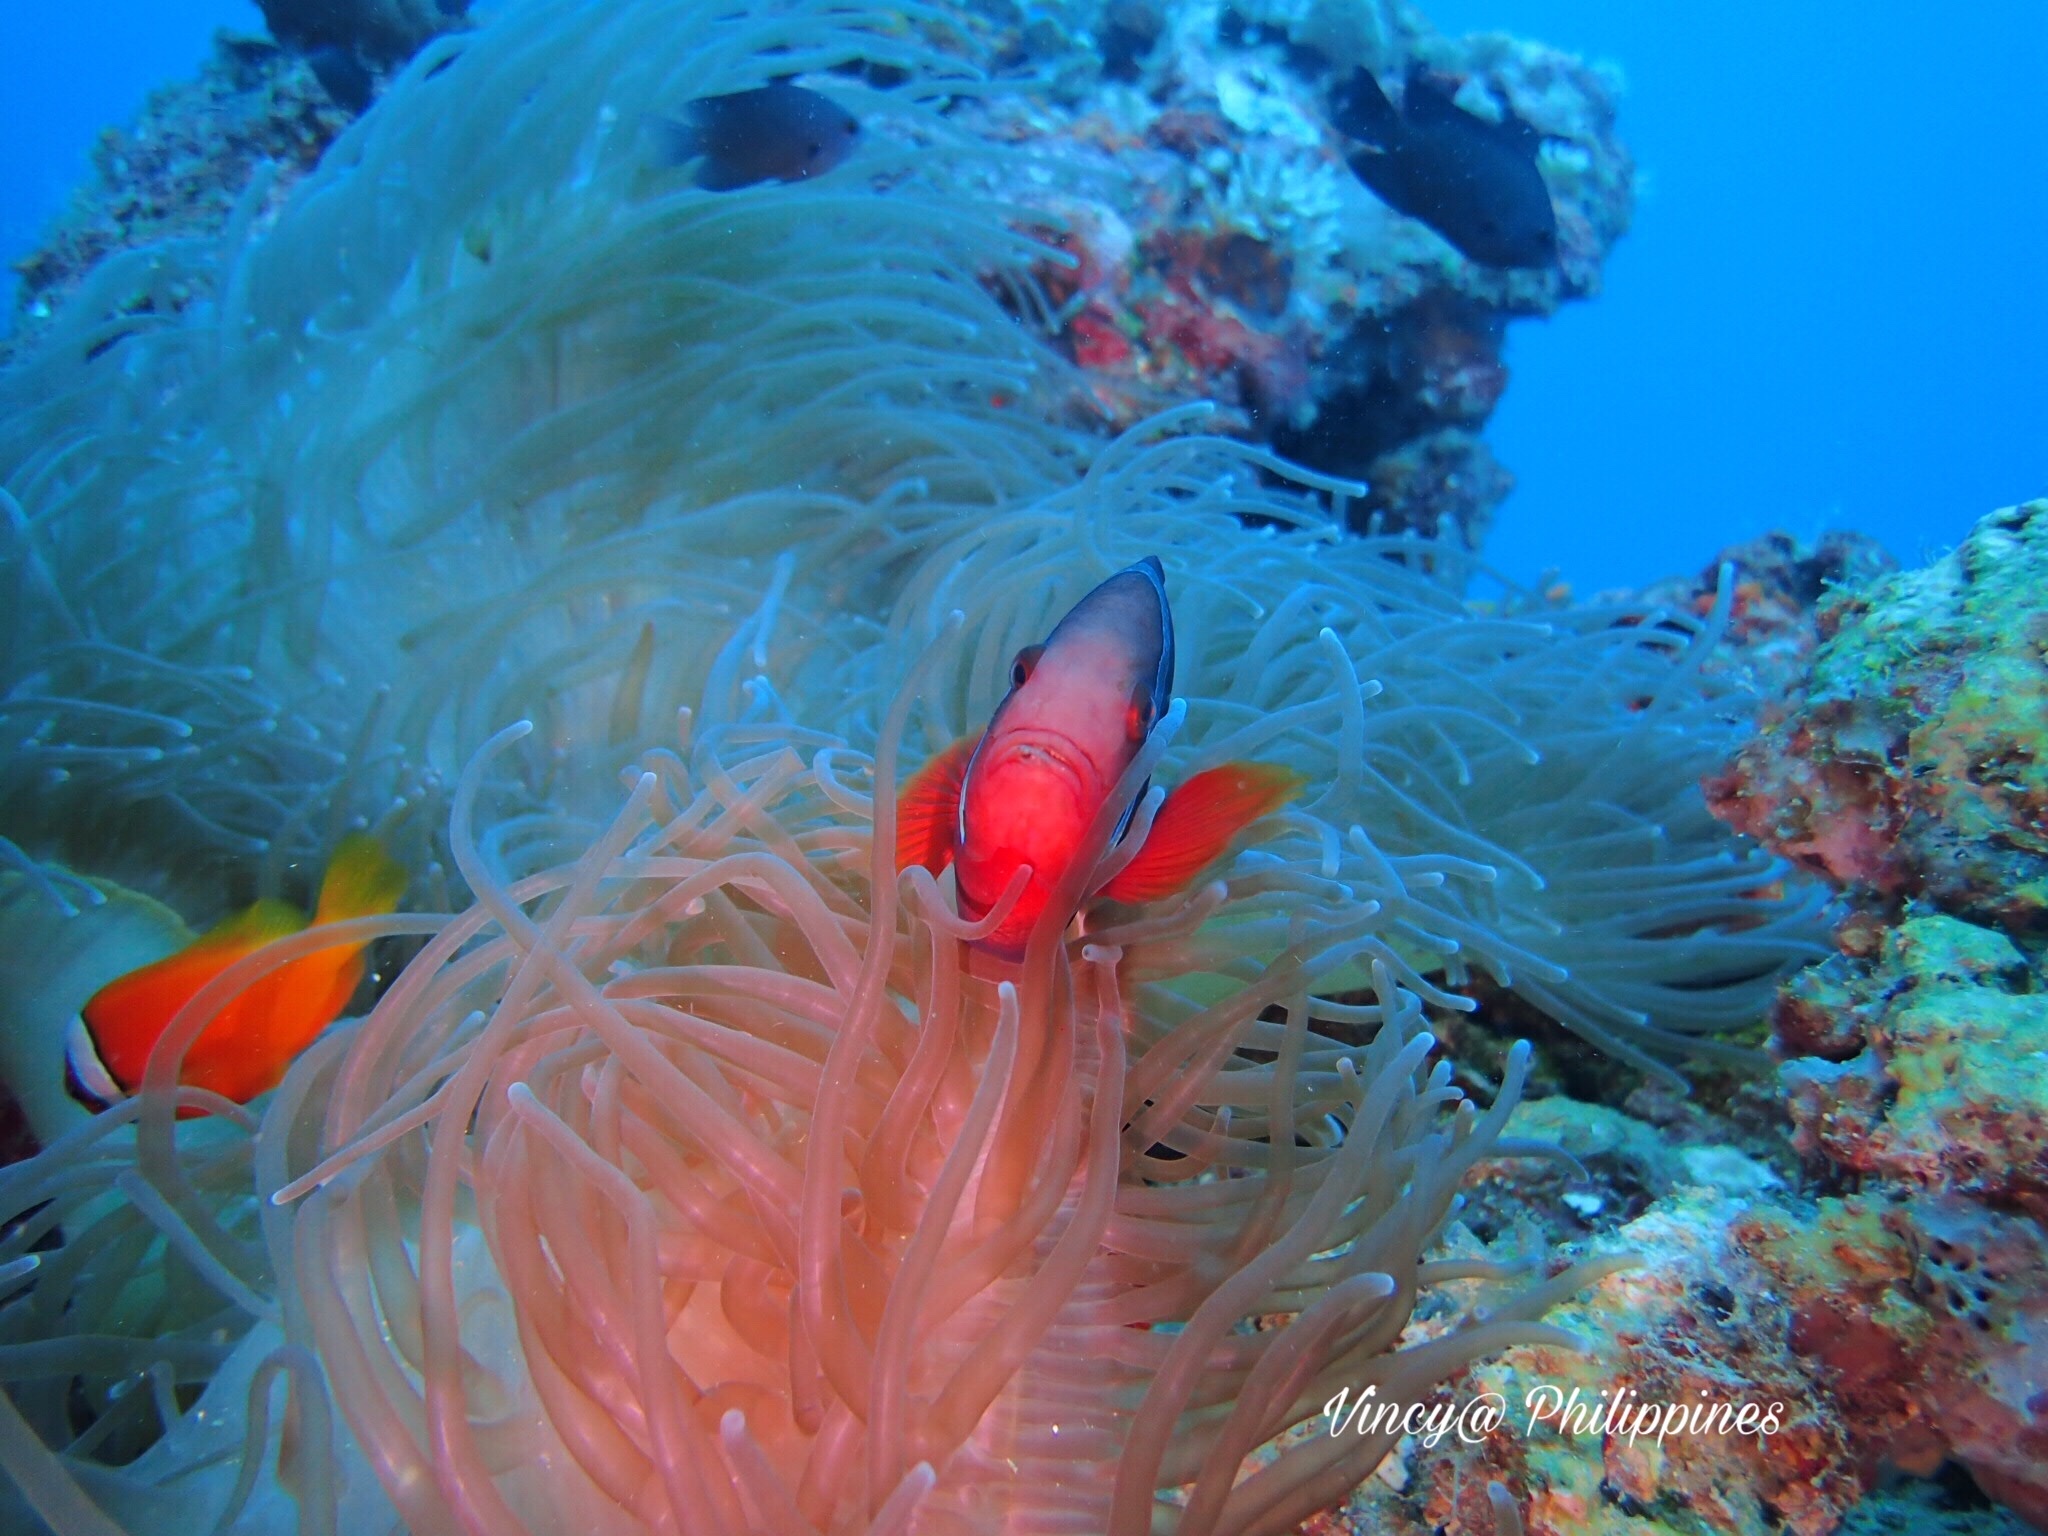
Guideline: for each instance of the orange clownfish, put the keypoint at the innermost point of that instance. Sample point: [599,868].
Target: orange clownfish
[1026,790]
[250,1043]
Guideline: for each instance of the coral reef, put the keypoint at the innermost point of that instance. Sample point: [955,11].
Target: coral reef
[1929,1508]
[261,113]
[1897,1300]
[178,173]
[1904,764]
[1225,251]
[1693,1324]
[1926,1320]
[385,32]
[1213,244]
[1917,1073]
[1925,1065]
[1911,763]
[1894,1330]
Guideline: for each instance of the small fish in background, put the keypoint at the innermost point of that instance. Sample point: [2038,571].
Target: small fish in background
[1025,791]
[778,132]
[1472,181]
[250,1043]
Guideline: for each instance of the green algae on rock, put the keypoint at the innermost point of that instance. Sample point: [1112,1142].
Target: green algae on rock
[1913,760]
[1925,1321]
[1924,1296]
[1937,1068]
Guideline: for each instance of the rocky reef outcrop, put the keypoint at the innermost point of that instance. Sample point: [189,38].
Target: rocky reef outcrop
[1907,766]
[228,145]
[1913,762]
[1216,245]
[239,136]
[1862,1241]
[1916,1073]
[384,32]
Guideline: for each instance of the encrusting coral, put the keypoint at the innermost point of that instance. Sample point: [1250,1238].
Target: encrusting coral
[1917,1079]
[1912,762]
[1905,764]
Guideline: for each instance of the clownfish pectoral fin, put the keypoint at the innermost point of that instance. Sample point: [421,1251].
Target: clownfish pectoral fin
[928,809]
[1196,824]
[362,881]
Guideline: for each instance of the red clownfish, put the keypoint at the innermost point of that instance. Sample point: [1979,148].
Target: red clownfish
[250,1043]
[1026,790]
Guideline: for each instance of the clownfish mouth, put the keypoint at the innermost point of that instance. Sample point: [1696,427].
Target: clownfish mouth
[1037,748]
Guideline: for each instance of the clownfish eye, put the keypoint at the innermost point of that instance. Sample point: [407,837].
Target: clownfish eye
[1138,719]
[1025,664]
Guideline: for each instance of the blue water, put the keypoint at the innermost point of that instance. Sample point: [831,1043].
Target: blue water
[1831,312]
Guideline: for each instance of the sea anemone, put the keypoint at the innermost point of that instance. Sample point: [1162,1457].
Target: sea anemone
[558,1226]
[1516,795]
[580,1132]
[698,1174]
[498,411]
[501,419]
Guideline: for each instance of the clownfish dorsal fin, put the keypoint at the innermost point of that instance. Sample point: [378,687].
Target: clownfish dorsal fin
[249,929]
[1195,825]
[362,880]
[928,809]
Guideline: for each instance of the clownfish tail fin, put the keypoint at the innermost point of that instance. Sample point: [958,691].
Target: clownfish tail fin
[363,880]
[1196,824]
[929,808]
